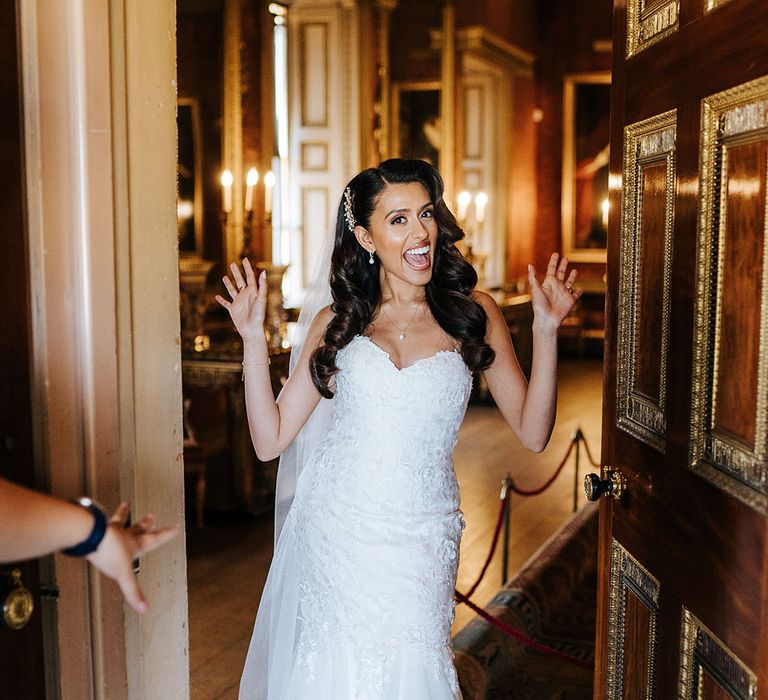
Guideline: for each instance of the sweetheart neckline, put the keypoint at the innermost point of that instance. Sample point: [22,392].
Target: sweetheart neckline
[413,364]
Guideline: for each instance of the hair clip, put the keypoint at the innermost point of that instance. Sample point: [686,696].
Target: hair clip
[348,215]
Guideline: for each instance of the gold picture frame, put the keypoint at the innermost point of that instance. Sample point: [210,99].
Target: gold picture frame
[416,131]
[586,138]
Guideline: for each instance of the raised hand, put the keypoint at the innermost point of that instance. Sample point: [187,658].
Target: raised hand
[249,300]
[554,297]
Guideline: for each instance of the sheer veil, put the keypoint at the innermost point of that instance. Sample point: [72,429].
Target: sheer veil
[294,458]
[274,634]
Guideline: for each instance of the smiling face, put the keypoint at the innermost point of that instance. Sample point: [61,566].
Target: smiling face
[403,232]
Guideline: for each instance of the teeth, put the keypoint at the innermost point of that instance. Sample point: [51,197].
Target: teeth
[418,251]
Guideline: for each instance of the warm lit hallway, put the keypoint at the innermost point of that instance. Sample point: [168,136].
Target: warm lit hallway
[228,561]
[147,144]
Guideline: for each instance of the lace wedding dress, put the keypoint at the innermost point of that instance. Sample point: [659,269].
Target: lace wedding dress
[358,603]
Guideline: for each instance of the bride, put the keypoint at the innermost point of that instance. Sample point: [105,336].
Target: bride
[358,602]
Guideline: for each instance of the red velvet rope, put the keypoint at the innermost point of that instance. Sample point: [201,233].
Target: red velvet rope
[548,482]
[519,636]
[589,453]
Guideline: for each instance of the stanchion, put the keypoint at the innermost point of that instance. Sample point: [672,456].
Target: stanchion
[504,495]
[577,436]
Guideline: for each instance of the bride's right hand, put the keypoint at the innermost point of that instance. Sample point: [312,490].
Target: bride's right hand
[249,301]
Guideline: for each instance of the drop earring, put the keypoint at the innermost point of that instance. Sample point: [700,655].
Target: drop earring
[370,259]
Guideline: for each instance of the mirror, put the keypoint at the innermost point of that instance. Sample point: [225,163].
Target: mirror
[586,135]
[190,201]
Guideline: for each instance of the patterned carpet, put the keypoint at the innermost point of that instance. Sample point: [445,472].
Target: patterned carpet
[552,600]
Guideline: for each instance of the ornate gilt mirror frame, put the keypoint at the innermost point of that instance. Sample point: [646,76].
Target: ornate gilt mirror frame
[586,100]
[190,178]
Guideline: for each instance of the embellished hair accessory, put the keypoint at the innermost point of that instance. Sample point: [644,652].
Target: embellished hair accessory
[348,215]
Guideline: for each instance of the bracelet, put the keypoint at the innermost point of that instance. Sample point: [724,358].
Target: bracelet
[92,542]
[255,364]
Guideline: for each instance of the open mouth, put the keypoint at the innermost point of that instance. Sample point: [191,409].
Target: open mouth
[418,258]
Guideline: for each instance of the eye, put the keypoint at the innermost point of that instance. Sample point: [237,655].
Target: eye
[398,219]
[429,213]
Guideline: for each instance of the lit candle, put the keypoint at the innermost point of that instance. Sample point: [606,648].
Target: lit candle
[226,191]
[269,183]
[184,209]
[464,199]
[251,180]
[481,199]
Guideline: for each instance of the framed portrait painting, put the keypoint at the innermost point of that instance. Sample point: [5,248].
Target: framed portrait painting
[416,121]
[586,138]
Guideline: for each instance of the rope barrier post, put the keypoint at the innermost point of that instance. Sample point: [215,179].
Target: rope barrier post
[576,437]
[504,496]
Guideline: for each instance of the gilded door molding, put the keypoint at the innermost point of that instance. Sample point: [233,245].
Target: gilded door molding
[704,659]
[647,143]
[649,21]
[629,577]
[731,119]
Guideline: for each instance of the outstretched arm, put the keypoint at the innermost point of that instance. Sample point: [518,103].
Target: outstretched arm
[273,424]
[529,407]
[33,524]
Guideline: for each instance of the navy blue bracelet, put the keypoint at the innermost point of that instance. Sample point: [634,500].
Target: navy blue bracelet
[92,542]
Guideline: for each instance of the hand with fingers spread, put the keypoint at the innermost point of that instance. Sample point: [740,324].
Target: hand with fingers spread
[34,524]
[555,295]
[121,545]
[248,303]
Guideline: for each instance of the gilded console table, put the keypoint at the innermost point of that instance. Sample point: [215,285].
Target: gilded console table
[254,480]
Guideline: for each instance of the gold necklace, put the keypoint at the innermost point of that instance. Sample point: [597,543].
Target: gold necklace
[402,330]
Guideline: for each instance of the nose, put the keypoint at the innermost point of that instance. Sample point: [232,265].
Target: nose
[424,226]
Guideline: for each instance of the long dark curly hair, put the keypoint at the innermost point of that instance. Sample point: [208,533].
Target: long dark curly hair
[355,283]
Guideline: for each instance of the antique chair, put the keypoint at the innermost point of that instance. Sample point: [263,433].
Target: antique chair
[206,435]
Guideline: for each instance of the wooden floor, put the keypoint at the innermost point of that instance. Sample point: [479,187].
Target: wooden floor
[228,561]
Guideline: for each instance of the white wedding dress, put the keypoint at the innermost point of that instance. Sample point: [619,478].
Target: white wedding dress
[374,530]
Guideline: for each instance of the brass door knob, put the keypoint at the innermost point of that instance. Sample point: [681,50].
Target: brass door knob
[17,601]
[614,485]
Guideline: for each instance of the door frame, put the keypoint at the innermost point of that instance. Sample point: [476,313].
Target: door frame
[99,123]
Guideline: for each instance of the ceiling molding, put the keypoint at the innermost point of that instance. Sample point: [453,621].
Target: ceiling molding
[491,46]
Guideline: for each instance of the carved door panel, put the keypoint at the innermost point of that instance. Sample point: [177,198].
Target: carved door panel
[683,593]
[21,650]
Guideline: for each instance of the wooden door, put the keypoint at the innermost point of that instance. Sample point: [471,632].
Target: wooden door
[683,602]
[21,651]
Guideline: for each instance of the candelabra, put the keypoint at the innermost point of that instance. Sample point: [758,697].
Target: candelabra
[473,232]
[193,273]
[276,316]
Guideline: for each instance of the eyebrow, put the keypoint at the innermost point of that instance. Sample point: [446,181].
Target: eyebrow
[394,211]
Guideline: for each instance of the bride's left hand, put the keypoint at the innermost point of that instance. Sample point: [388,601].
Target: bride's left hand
[555,296]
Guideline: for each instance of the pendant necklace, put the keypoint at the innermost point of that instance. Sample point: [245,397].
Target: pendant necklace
[402,330]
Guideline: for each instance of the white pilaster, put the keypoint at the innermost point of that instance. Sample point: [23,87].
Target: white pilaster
[324,118]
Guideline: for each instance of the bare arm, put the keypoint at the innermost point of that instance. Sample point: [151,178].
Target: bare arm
[529,407]
[273,423]
[33,524]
